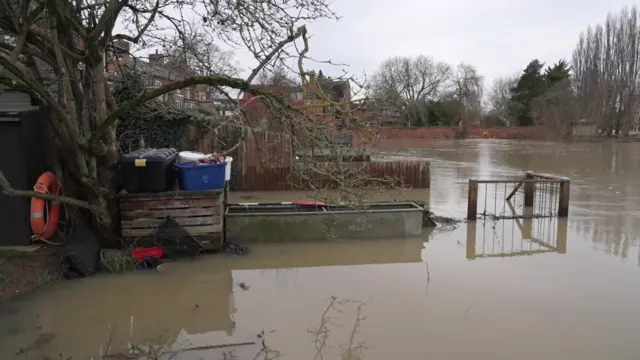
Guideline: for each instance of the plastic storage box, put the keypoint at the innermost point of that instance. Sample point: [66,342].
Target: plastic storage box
[149,170]
[194,176]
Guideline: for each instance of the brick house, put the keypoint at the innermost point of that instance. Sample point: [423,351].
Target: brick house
[311,104]
[162,70]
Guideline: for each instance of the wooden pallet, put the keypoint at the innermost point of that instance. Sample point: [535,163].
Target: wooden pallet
[197,212]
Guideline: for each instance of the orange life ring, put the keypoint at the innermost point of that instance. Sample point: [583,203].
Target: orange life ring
[45,228]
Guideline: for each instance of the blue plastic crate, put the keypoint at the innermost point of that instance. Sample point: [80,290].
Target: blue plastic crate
[192,176]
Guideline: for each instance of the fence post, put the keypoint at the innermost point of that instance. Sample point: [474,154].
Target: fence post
[472,201]
[428,174]
[529,189]
[561,236]
[563,201]
[471,241]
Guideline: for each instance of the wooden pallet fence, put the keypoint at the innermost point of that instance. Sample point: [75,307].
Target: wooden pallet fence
[199,213]
[259,149]
[408,174]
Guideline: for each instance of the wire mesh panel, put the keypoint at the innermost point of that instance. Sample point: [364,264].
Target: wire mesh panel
[534,196]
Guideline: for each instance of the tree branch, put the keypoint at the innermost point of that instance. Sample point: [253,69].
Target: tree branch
[107,20]
[291,38]
[29,50]
[142,31]
[6,188]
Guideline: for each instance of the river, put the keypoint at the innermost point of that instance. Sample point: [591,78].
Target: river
[480,290]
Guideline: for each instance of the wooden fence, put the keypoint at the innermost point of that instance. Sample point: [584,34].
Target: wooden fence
[264,160]
[407,174]
[258,154]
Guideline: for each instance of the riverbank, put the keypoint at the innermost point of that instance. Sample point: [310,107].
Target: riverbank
[466,132]
[22,272]
[602,138]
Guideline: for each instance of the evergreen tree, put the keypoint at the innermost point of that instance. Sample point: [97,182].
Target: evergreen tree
[532,83]
[558,72]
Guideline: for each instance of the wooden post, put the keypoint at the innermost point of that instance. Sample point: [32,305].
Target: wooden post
[225,198]
[225,202]
[563,201]
[529,189]
[527,228]
[561,236]
[428,174]
[472,201]
[471,241]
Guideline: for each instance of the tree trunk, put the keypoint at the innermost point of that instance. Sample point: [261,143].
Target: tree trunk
[99,192]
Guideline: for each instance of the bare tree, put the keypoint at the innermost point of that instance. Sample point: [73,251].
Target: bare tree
[467,89]
[64,42]
[279,75]
[409,82]
[200,53]
[411,79]
[500,97]
[606,65]
[556,107]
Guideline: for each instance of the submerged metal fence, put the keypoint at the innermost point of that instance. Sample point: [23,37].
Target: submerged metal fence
[543,195]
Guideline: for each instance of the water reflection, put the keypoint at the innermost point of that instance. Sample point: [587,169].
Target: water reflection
[109,312]
[183,305]
[517,237]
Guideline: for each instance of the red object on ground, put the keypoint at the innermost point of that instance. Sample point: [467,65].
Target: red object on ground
[309,203]
[140,254]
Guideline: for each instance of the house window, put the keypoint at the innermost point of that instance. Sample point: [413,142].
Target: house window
[187,93]
[296,96]
[203,96]
[157,83]
[311,95]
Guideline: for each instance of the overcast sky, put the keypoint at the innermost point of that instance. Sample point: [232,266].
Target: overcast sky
[499,37]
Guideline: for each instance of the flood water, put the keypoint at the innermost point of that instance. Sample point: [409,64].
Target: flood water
[507,289]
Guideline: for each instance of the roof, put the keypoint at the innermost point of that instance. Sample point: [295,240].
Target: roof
[328,85]
[166,72]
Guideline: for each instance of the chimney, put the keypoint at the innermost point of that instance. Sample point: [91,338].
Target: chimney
[121,48]
[312,77]
[156,59]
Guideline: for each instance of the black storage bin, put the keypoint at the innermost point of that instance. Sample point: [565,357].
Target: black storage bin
[149,170]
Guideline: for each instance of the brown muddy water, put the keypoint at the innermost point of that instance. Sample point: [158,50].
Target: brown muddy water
[482,290]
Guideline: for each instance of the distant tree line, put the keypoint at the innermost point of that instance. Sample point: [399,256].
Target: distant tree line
[533,97]
[427,92]
[606,67]
[600,85]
